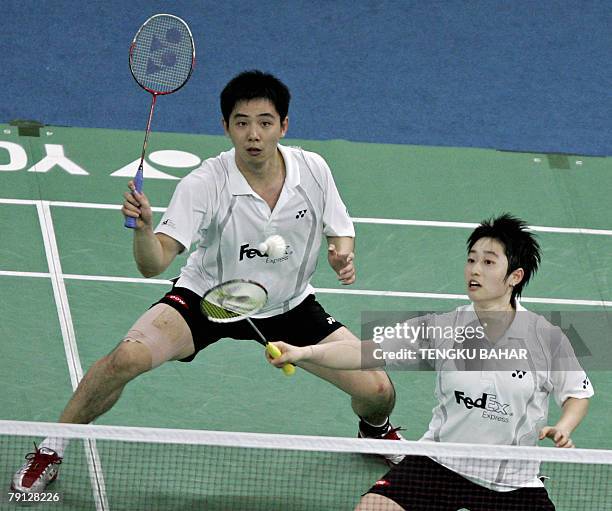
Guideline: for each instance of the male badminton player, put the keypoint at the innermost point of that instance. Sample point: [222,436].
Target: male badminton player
[224,209]
[503,404]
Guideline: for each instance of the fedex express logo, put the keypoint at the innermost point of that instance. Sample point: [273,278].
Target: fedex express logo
[246,251]
[486,402]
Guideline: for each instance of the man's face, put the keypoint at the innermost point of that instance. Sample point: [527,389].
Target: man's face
[255,129]
[485,274]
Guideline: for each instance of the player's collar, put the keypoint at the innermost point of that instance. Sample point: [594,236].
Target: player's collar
[518,328]
[238,184]
[292,175]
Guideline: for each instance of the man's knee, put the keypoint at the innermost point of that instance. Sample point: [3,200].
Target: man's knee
[380,388]
[128,360]
[387,390]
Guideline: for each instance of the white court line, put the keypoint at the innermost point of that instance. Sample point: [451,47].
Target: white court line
[467,225]
[357,220]
[103,278]
[94,205]
[20,202]
[70,346]
[6,273]
[444,296]
[322,290]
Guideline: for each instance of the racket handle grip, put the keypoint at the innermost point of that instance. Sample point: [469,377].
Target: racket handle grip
[274,352]
[289,369]
[130,222]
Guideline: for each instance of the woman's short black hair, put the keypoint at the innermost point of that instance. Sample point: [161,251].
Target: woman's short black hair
[520,246]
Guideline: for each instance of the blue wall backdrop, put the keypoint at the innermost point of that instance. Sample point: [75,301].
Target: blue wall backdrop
[514,75]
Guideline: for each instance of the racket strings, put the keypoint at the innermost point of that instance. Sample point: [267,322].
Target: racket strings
[161,57]
[234,300]
[214,311]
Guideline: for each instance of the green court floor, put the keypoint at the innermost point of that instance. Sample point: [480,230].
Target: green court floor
[61,229]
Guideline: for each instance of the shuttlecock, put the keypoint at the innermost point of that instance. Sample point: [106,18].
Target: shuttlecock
[274,246]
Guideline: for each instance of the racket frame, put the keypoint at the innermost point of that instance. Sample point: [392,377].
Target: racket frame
[193,55]
[241,316]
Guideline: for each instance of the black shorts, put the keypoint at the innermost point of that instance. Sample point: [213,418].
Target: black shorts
[305,324]
[420,484]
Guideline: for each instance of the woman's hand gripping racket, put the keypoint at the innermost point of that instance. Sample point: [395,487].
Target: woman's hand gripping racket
[162,56]
[236,300]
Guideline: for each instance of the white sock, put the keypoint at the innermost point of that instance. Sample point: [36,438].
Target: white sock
[384,423]
[57,444]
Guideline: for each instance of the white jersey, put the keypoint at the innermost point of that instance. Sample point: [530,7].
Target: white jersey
[214,208]
[503,406]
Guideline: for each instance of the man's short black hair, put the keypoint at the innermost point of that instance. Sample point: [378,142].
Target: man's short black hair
[520,246]
[255,84]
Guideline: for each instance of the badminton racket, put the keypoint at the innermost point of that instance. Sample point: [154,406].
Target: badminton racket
[236,300]
[162,56]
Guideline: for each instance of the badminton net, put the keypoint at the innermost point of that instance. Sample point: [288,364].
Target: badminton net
[123,468]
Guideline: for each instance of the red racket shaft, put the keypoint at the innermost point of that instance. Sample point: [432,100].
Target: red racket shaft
[130,222]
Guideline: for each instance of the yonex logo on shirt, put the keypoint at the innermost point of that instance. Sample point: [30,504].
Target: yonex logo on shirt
[301,213]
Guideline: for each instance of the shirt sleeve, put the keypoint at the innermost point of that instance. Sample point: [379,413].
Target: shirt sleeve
[188,214]
[567,376]
[336,219]
[401,344]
